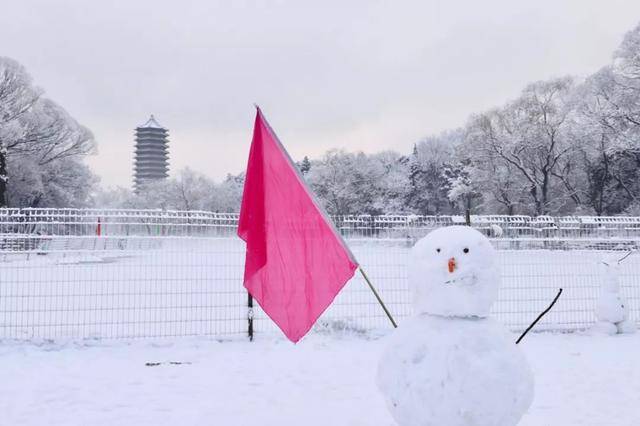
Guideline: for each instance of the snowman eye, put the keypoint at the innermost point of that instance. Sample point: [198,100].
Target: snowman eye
[466,250]
[437,250]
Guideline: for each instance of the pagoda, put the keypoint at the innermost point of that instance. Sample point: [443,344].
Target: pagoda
[151,162]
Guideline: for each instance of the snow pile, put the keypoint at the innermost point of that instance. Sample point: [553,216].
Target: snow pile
[439,365]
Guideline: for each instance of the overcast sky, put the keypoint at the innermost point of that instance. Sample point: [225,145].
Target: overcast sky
[347,74]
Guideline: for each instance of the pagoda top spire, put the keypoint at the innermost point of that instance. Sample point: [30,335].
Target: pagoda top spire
[151,123]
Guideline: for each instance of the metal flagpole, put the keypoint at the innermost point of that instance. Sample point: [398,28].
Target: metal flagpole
[250,316]
[375,293]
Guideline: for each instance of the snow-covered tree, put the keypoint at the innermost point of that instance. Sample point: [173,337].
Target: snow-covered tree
[63,183]
[392,182]
[625,98]
[38,134]
[348,183]
[305,165]
[428,187]
[17,97]
[462,191]
[610,130]
[112,197]
[602,149]
[332,179]
[532,136]
[230,194]
[188,190]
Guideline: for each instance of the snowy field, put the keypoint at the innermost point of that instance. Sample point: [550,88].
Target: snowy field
[167,287]
[71,319]
[324,380]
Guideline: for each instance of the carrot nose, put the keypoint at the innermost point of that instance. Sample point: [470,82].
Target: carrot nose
[452,264]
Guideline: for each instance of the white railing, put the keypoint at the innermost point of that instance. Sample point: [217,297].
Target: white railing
[69,273]
[45,221]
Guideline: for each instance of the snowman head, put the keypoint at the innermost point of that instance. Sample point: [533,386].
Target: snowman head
[453,272]
[610,274]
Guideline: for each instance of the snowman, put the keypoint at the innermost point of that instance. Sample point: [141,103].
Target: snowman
[450,365]
[612,310]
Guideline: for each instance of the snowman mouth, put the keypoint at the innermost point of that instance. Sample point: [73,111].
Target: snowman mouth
[464,281]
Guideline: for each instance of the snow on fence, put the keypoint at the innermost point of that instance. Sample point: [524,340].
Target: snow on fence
[82,273]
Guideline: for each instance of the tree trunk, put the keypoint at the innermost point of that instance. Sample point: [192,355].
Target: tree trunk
[533,190]
[545,194]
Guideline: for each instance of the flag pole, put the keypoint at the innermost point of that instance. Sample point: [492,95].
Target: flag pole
[375,293]
[250,316]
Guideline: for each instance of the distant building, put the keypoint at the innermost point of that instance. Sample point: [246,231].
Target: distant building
[151,162]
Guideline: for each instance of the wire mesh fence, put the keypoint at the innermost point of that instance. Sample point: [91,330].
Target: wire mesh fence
[81,273]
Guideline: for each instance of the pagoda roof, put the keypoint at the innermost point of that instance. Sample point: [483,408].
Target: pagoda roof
[151,124]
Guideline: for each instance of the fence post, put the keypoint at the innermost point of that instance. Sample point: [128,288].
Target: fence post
[250,316]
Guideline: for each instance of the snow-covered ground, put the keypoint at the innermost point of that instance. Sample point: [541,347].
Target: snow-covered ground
[193,286]
[324,380]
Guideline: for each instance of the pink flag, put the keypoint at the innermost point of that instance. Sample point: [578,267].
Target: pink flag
[296,262]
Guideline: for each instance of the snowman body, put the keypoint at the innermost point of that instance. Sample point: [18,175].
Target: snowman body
[454,372]
[450,364]
[612,310]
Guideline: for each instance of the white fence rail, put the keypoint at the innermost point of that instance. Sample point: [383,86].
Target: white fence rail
[68,273]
